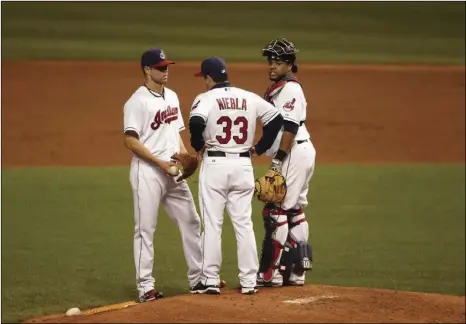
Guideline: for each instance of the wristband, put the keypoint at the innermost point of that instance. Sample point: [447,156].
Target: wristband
[281,155]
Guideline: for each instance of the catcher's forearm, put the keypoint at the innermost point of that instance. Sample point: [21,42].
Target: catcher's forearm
[289,133]
[287,141]
[136,146]
[290,130]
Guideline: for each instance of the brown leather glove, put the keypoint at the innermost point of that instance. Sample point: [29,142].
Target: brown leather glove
[271,187]
[188,164]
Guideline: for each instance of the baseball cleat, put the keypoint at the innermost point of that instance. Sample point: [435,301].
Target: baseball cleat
[248,290]
[213,290]
[259,282]
[200,288]
[295,283]
[150,295]
[262,283]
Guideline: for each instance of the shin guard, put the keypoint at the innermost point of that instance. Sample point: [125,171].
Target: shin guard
[276,233]
[299,235]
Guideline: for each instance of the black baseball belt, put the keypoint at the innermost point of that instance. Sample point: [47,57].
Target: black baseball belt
[220,154]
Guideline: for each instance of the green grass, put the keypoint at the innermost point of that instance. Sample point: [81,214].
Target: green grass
[353,32]
[67,234]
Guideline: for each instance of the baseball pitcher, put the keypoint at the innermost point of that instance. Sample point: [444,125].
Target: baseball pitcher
[286,254]
[222,125]
[152,122]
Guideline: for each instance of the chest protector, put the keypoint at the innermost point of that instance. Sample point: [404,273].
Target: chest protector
[278,86]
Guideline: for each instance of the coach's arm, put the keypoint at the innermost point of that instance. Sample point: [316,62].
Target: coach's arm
[269,133]
[196,129]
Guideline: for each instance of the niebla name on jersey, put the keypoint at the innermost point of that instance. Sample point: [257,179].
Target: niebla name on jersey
[231,103]
[166,116]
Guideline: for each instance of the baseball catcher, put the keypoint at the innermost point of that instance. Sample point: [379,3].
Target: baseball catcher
[286,254]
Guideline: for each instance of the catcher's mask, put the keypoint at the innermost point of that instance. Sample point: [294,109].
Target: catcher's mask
[283,50]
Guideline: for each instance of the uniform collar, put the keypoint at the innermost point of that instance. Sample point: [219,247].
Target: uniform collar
[290,77]
[221,85]
[155,94]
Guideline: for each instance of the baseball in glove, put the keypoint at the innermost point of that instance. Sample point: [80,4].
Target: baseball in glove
[271,187]
[188,164]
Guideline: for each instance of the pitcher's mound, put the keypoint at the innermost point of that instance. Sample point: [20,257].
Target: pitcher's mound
[310,303]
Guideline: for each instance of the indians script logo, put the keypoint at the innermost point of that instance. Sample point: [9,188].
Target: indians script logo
[289,106]
[165,117]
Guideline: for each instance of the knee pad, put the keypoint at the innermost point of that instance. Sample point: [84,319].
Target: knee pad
[295,217]
[276,233]
[297,224]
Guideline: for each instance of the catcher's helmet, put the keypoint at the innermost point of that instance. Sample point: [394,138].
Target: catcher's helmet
[281,49]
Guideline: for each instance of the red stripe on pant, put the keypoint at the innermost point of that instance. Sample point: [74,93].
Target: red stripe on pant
[299,222]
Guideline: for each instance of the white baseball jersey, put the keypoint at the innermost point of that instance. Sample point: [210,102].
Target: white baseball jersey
[230,114]
[291,103]
[156,119]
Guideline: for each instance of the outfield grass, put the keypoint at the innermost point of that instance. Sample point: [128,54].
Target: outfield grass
[67,234]
[354,32]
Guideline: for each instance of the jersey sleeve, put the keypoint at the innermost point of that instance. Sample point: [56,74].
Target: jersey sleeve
[288,101]
[265,111]
[133,116]
[200,107]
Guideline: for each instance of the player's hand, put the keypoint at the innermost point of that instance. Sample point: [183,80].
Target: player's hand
[253,152]
[165,166]
[276,165]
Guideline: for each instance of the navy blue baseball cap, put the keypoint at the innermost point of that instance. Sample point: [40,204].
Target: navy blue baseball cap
[213,66]
[154,57]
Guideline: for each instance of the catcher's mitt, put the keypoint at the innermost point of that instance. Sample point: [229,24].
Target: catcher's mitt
[271,187]
[188,164]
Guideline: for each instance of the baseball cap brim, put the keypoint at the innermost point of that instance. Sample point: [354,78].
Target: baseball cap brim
[198,74]
[163,63]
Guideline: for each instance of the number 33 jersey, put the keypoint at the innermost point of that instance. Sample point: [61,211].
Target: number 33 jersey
[231,116]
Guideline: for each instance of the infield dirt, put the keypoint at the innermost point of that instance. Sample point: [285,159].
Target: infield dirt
[71,113]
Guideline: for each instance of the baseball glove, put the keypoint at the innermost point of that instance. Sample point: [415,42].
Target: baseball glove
[271,187]
[188,164]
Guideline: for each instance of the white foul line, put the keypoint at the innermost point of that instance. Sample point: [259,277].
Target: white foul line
[308,300]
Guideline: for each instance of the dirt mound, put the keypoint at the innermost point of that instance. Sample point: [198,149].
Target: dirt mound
[311,303]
